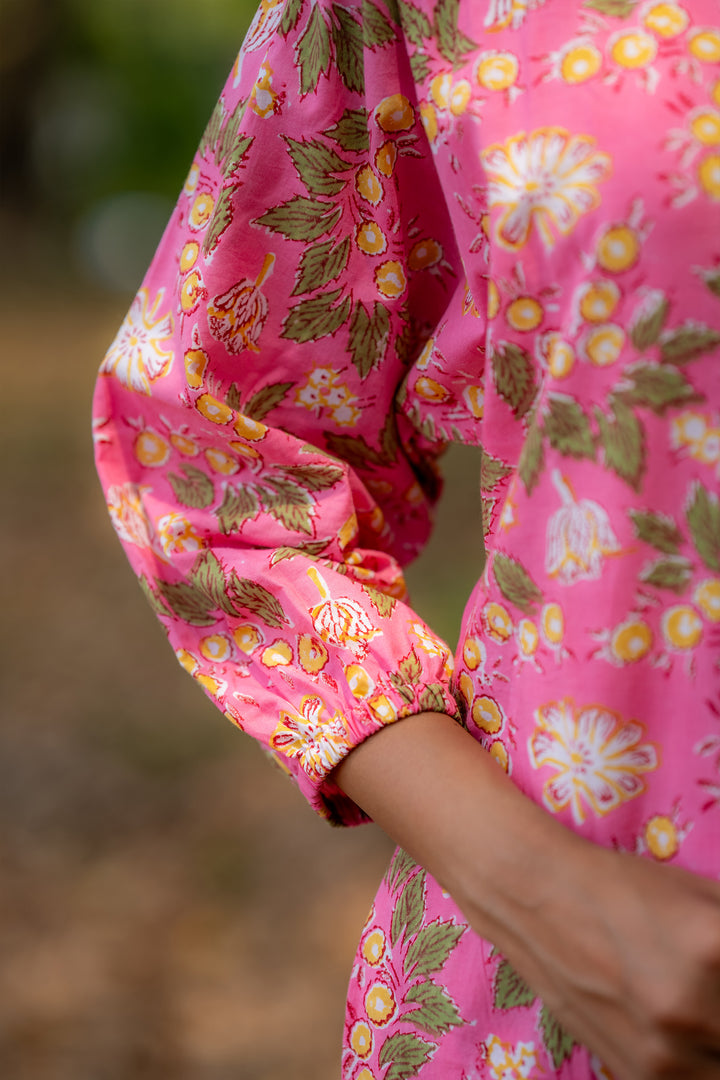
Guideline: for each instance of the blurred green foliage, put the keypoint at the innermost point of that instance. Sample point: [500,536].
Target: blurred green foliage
[105,96]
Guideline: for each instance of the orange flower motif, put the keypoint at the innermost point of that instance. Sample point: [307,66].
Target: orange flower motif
[395,113]
[424,254]
[390,279]
[238,316]
[317,740]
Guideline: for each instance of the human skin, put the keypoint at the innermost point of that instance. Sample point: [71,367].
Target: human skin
[624,952]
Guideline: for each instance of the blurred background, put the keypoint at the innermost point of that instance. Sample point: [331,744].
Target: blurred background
[169,906]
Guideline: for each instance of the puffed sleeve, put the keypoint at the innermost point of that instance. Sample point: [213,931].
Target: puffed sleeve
[257,469]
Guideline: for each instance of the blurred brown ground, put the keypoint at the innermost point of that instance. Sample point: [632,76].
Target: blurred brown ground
[169,906]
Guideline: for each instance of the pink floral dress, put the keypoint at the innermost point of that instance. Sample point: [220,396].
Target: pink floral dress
[409,223]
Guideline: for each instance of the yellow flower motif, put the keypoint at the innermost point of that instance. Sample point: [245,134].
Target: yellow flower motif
[142,349]
[715,92]
[552,624]
[395,113]
[220,461]
[214,687]
[196,361]
[188,256]
[247,428]
[630,641]
[340,621]
[430,390]
[187,661]
[216,647]
[603,344]
[498,623]
[527,637]
[487,715]
[597,300]
[632,49]
[151,449]
[705,126]
[497,70]
[556,354]
[359,681]
[368,186]
[370,238]
[385,158]
[474,654]
[524,314]
[704,44]
[681,627]
[382,708]
[191,181]
[508,1061]
[214,410]
[312,654]
[709,175]
[380,1003]
[466,687]
[493,299]
[618,249]
[319,741]
[237,317]
[184,444]
[474,398]
[177,535]
[277,654]
[373,946]
[249,454]
[247,638]
[424,254]
[440,88]
[460,97]
[498,752]
[429,120]
[579,63]
[128,515]
[666,20]
[661,837]
[546,179]
[201,210]
[707,598]
[390,279]
[579,536]
[191,292]
[264,100]
[599,759]
[361,1040]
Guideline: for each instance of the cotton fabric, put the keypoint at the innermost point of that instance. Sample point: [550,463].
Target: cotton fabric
[407,224]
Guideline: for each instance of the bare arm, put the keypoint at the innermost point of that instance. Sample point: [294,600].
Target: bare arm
[624,952]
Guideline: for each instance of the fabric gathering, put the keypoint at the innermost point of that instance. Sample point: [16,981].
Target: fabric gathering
[410,224]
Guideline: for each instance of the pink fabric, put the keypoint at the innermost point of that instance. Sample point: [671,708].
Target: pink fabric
[494,223]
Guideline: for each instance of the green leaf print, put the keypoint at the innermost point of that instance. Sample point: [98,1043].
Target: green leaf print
[189,604]
[618,9]
[349,50]
[415,23]
[657,388]
[377,29]
[623,441]
[659,531]
[265,400]
[437,1012]
[389,437]
[647,327]
[315,477]
[429,951]
[532,459]
[194,489]
[312,51]
[290,16]
[409,909]
[405,1054]
[221,218]
[353,449]
[301,218]
[671,573]
[236,148]
[156,602]
[321,264]
[568,428]
[406,691]
[400,869]
[211,133]
[450,41]
[432,698]
[238,506]
[369,336]
[383,604]
[558,1043]
[410,668]
[419,66]
[233,397]
[256,599]
[511,991]
[688,343]
[289,504]
[703,517]
[309,549]
[712,280]
[315,317]
[351,131]
[514,377]
[314,163]
[515,583]
[492,471]
[208,576]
